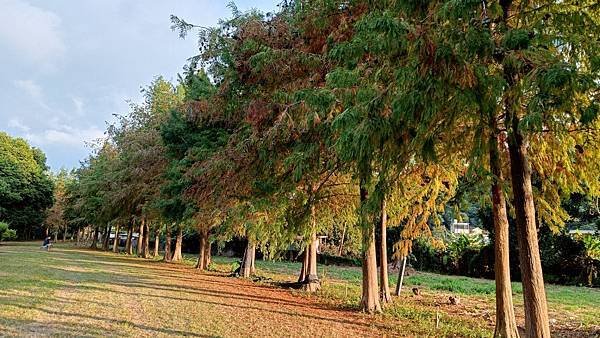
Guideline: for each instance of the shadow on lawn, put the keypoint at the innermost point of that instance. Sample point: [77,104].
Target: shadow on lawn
[77,268]
[98,318]
[335,318]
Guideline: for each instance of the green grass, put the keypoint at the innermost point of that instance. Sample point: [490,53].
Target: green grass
[342,285]
[32,281]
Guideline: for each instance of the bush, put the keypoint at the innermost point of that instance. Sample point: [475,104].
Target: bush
[458,255]
[6,234]
[566,259]
[569,259]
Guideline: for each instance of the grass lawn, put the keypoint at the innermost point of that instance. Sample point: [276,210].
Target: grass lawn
[574,311]
[72,291]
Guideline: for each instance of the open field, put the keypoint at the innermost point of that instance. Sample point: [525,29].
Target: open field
[77,292]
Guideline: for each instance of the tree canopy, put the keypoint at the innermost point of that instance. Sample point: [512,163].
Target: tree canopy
[25,186]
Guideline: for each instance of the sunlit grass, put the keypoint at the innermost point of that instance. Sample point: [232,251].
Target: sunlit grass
[32,282]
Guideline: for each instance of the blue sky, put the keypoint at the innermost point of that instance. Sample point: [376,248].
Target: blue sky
[66,66]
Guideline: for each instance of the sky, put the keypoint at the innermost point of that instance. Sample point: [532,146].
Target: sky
[67,66]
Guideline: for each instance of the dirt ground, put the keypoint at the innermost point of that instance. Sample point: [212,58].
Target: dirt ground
[97,294]
[76,292]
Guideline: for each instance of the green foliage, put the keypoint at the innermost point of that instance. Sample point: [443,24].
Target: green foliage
[516,39]
[6,234]
[25,186]
[592,246]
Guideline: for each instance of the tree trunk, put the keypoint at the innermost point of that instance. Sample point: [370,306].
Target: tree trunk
[506,325]
[56,236]
[140,242]
[128,244]
[146,246]
[204,252]
[311,281]
[384,287]
[534,294]
[177,257]
[370,298]
[116,240]
[65,234]
[401,276]
[248,261]
[167,256]
[253,260]
[304,268]
[106,240]
[207,248]
[78,237]
[156,242]
[203,242]
[341,248]
[94,244]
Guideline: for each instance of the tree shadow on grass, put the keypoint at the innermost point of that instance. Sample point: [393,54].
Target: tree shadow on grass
[228,295]
[145,274]
[32,328]
[111,321]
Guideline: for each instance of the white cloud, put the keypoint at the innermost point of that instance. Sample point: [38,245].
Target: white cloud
[32,32]
[34,90]
[78,103]
[17,124]
[66,136]
[30,87]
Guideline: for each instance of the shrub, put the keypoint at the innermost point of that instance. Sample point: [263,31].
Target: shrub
[6,234]
[566,259]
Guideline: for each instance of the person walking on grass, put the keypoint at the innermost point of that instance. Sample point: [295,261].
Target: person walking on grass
[47,243]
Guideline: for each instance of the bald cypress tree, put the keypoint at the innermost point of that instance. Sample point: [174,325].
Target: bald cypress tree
[418,68]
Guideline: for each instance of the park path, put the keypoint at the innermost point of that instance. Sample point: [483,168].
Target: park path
[92,293]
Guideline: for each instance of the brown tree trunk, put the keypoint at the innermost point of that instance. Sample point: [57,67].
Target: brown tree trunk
[156,242]
[167,256]
[78,237]
[341,248]
[370,298]
[248,261]
[177,257]
[140,242]
[116,240]
[311,281]
[304,268]
[384,286]
[65,234]
[253,261]
[106,240]
[534,294]
[200,265]
[94,244]
[146,246]
[204,252]
[207,254]
[128,244]
[506,325]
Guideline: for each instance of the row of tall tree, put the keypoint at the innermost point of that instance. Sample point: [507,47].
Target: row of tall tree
[365,113]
